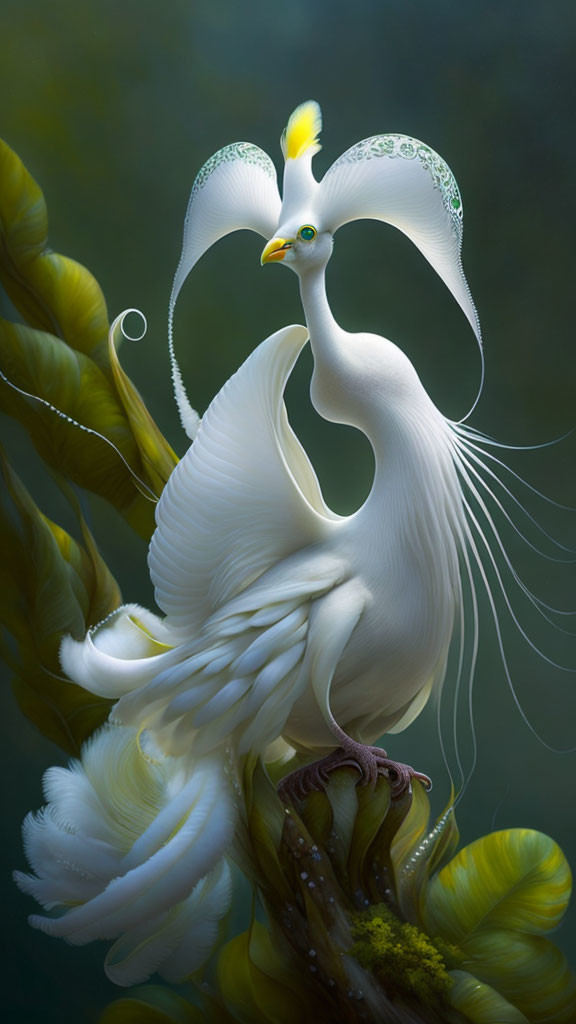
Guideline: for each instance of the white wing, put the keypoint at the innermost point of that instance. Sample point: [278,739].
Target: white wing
[244,496]
[242,673]
[402,182]
[238,561]
[236,188]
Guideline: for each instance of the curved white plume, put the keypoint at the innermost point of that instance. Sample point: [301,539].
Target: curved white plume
[403,182]
[236,188]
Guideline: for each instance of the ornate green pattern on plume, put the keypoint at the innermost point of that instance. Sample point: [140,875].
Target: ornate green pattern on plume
[246,151]
[404,146]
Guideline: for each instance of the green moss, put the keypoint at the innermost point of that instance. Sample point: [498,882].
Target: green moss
[404,959]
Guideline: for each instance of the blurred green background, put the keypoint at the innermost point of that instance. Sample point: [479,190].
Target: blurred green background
[115,106]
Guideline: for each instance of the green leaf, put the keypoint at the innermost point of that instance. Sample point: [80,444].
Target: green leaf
[480,1003]
[152,1004]
[411,852]
[156,454]
[255,982]
[515,879]
[528,970]
[53,293]
[435,850]
[23,218]
[413,828]
[105,593]
[318,816]
[65,356]
[43,365]
[265,824]
[60,710]
[373,805]
[343,796]
[49,586]
[446,838]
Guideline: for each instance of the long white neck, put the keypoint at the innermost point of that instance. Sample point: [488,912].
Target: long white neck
[367,382]
[336,362]
[325,333]
[364,380]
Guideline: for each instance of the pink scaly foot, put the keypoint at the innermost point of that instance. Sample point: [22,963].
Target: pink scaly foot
[372,763]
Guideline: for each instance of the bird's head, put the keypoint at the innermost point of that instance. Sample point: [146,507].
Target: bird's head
[301,247]
[301,240]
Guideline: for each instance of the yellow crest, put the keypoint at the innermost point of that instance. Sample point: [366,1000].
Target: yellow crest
[302,131]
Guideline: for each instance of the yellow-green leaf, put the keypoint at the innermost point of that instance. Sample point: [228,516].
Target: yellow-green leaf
[446,838]
[343,796]
[152,1004]
[528,970]
[265,824]
[256,984]
[49,586]
[156,454]
[46,566]
[66,317]
[23,219]
[317,815]
[373,805]
[480,1004]
[53,293]
[412,829]
[105,593]
[514,879]
[60,710]
[43,365]
[410,853]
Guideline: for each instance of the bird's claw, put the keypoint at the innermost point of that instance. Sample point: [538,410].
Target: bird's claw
[399,775]
[371,763]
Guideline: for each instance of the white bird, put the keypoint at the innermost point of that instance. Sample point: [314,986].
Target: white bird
[281,617]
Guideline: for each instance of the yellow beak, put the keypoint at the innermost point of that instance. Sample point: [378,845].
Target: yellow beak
[276,249]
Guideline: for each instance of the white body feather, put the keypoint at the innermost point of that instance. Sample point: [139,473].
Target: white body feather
[279,612]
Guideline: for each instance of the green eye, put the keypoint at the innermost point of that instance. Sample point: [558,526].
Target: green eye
[307,233]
